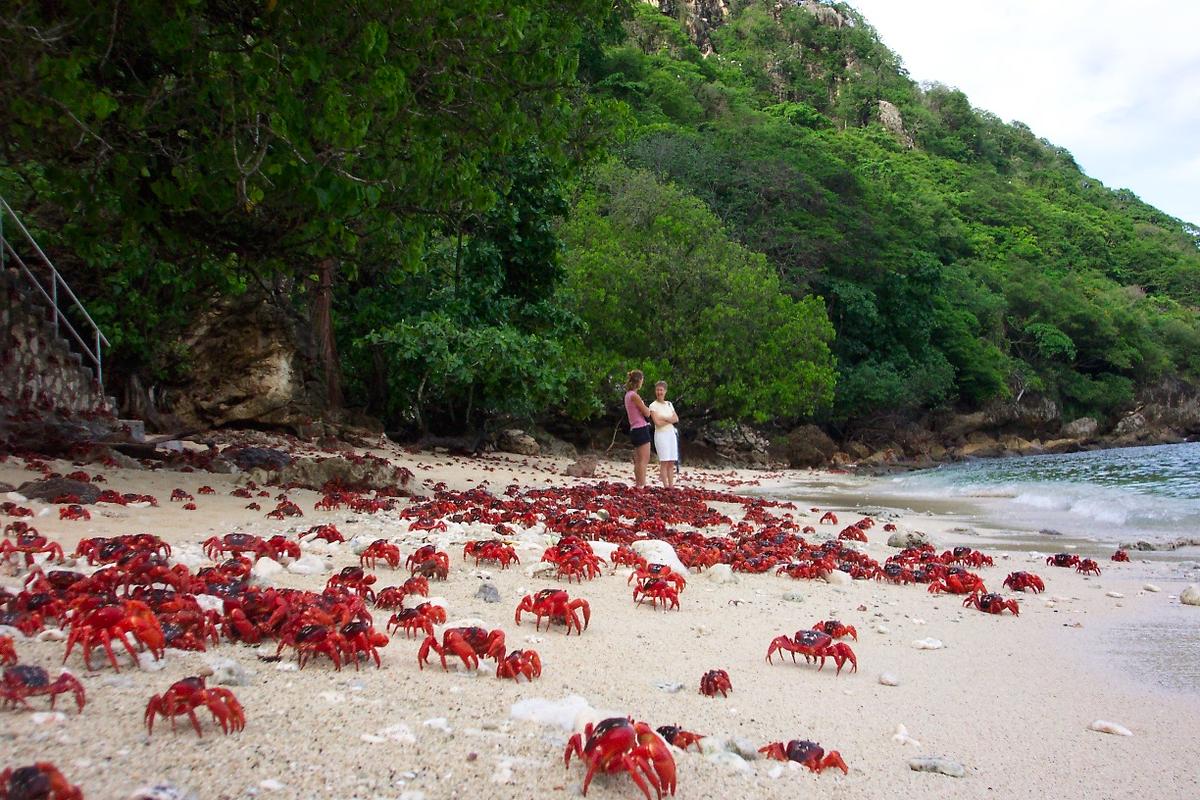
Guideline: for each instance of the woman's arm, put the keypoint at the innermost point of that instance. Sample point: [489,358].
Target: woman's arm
[674,418]
[642,407]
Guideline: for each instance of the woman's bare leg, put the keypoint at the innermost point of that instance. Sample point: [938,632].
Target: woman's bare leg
[664,472]
[668,473]
[641,458]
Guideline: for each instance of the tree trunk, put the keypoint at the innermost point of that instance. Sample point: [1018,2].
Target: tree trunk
[322,321]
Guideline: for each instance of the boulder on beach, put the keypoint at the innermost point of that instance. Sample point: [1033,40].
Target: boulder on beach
[903,539]
[1191,595]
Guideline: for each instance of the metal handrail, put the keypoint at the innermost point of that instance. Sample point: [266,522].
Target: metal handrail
[51,295]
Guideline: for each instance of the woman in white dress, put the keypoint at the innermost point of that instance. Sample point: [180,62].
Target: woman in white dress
[666,441]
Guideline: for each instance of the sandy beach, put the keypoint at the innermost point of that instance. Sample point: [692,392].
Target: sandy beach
[1010,699]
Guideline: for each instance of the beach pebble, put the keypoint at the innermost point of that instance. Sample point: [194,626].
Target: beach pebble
[1191,595]
[47,717]
[721,574]
[559,713]
[793,597]
[148,663]
[541,569]
[888,679]
[775,771]
[882,629]
[1104,726]
[1117,595]
[670,687]
[52,635]
[943,766]
[928,644]
[161,791]
[307,564]
[730,760]
[488,593]
[1150,587]
[271,785]
[438,724]
[266,568]
[837,578]
[227,672]
[901,736]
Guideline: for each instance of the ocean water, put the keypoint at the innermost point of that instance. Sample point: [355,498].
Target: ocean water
[1119,495]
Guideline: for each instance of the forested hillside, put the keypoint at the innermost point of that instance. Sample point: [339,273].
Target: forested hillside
[492,210]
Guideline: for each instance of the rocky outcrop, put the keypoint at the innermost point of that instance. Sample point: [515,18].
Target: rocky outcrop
[356,473]
[890,118]
[1082,428]
[514,440]
[699,17]
[808,446]
[739,443]
[251,363]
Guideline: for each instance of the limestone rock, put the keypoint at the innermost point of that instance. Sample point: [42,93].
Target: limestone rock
[251,361]
[903,539]
[307,564]
[890,118]
[488,593]
[656,551]
[721,574]
[1104,726]
[938,764]
[1130,425]
[249,458]
[808,446]
[514,440]
[1082,428]
[358,474]
[1191,595]
[48,490]
[583,468]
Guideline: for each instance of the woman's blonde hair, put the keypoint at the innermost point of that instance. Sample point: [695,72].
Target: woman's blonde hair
[660,383]
[634,378]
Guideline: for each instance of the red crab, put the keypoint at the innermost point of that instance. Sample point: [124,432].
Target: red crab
[558,606]
[466,643]
[31,543]
[1062,560]
[206,490]
[659,572]
[285,508]
[957,581]
[39,781]
[621,744]
[520,662]
[965,555]
[659,591]
[678,737]
[380,550]
[310,640]
[1120,555]
[421,618]
[852,533]
[1020,581]
[359,638]
[109,623]
[991,603]
[179,495]
[491,550]
[626,556]
[13,510]
[8,653]
[802,751]
[829,518]
[185,696]
[1088,567]
[25,680]
[355,580]
[715,680]
[814,645]
[328,533]
[836,629]
[237,543]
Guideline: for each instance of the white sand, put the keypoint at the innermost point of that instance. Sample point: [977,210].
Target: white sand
[1010,699]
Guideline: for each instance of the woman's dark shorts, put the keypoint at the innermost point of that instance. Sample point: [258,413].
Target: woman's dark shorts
[642,435]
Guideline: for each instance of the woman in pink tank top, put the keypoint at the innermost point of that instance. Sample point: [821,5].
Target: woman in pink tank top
[640,430]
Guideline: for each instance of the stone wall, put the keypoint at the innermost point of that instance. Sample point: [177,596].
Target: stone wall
[38,370]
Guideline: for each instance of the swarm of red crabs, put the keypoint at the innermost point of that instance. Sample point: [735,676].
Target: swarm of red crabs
[134,601]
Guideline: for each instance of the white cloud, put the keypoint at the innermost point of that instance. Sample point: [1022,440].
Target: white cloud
[1115,83]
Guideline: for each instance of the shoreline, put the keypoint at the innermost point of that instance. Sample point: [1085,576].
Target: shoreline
[404,732]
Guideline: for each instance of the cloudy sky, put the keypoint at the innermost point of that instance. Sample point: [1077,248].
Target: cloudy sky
[1116,83]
